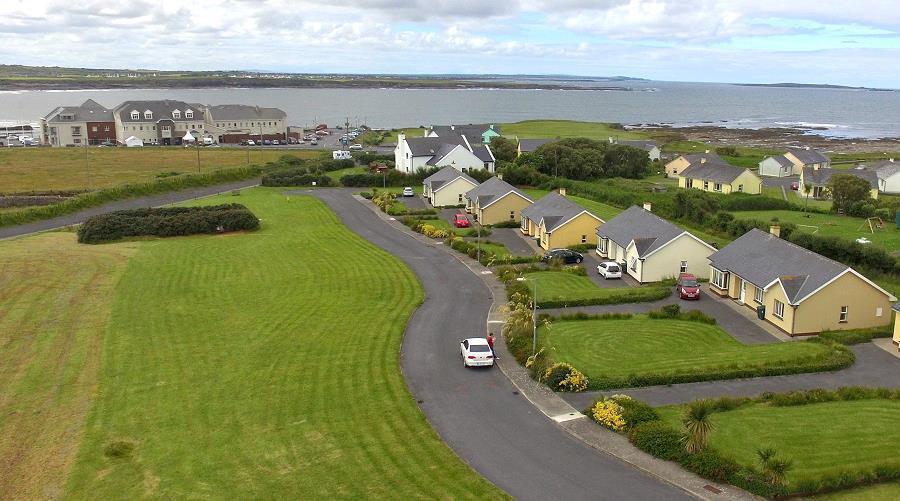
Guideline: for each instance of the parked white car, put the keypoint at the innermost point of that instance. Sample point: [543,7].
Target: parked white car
[408,192]
[355,147]
[609,269]
[476,352]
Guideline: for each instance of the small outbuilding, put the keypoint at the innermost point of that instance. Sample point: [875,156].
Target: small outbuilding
[134,142]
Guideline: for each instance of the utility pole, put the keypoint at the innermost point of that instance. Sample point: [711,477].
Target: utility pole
[197,143]
[87,165]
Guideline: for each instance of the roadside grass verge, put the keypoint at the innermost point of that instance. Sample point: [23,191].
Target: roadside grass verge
[263,365]
[642,351]
[55,303]
[557,289]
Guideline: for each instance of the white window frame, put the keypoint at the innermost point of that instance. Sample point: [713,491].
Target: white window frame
[512,215]
[719,279]
[602,244]
[682,268]
[758,295]
[176,115]
[188,113]
[717,187]
[633,264]
[705,185]
[148,115]
[778,310]
[135,115]
[584,239]
[879,311]
[844,314]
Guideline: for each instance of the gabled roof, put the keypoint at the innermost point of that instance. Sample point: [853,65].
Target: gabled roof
[808,156]
[896,307]
[89,111]
[429,146]
[245,112]
[442,151]
[782,160]
[555,210]
[473,132]
[483,153]
[529,145]
[764,259]
[646,145]
[648,231]
[445,176]
[885,168]
[492,190]
[160,109]
[713,170]
[820,177]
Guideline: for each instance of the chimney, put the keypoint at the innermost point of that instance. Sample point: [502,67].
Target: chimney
[648,206]
[500,176]
[775,229]
[702,160]
[562,191]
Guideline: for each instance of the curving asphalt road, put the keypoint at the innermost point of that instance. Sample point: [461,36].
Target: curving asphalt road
[477,412]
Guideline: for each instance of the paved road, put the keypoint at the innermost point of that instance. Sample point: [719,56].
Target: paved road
[131,203]
[874,367]
[477,412]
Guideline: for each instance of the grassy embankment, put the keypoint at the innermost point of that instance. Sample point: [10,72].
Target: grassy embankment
[216,365]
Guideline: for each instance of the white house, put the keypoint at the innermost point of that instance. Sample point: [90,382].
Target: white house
[888,173]
[447,187]
[650,248]
[776,166]
[414,153]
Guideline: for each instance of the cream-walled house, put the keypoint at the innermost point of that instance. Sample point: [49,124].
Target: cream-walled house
[447,187]
[557,222]
[806,157]
[650,248]
[888,173]
[896,337]
[802,292]
[681,162]
[817,179]
[496,201]
[718,176]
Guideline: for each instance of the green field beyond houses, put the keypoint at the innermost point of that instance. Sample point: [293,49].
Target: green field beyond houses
[239,366]
[888,236]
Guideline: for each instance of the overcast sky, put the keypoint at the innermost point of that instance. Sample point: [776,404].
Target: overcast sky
[812,41]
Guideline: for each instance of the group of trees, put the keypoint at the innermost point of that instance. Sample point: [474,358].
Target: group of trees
[577,158]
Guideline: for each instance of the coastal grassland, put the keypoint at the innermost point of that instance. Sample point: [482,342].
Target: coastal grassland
[821,439]
[43,169]
[263,365]
[847,227]
[536,129]
[639,346]
[391,137]
[55,303]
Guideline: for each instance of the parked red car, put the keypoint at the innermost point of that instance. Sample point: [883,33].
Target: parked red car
[795,185]
[687,286]
[460,220]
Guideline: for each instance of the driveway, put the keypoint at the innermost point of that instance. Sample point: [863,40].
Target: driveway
[478,413]
[874,367]
[513,240]
[779,181]
[414,203]
[591,260]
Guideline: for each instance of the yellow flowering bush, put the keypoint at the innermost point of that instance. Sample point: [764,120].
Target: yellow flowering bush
[563,377]
[575,381]
[608,414]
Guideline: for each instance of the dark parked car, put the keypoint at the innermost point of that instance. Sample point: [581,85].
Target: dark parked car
[565,255]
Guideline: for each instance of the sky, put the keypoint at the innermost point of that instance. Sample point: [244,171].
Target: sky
[761,41]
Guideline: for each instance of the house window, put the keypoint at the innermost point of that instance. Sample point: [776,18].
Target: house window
[460,198]
[878,312]
[189,114]
[165,127]
[135,115]
[148,115]
[512,214]
[142,127]
[843,317]
[683,267]
[602,244]
[76,131]
[758,295]
[106,129]
[176,114]
[719,279]
[633,264]
[779,309]
[706,185]
[717,187]
[741,188]
[94,128]
[584,239]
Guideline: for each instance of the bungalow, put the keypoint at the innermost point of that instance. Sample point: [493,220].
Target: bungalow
[651,147]
[651,249]
[795,289]
[718,176]
[556,222]
[447,187]
[896,337]
[776,166]
[681,162]
[888,173]
[496,201]
[817,179]
[805,157]
[414,153]
[529,145]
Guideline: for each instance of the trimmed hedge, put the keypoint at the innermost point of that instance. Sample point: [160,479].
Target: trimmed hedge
[857,336]
[295,177]
[167,222]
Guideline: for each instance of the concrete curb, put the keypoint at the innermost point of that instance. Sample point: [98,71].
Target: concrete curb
[558,410]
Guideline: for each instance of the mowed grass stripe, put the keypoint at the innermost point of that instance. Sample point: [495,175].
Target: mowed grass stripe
[641,345]
[265,365]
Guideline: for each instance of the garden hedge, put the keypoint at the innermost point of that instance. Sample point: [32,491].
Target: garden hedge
[167,222]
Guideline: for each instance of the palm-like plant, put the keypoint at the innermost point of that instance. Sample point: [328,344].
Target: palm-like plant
[774,469]
[698,426]
[807,188]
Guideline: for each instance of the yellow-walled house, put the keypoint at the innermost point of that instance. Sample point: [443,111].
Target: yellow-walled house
[719,177]
[447,187]
[817,179]
[681,162]
[496,201]
[558,222]
[651,249]
[800,292]
[896,338]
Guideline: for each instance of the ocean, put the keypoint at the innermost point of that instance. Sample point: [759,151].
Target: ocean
[839,113]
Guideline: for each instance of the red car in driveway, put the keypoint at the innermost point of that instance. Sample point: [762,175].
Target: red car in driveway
[687,286]
[460,220]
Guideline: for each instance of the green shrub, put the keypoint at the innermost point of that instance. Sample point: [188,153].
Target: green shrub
[295,177]
[563,377]
[119,449]
[634,412]
[629,295]
[506,224]
[366,194]
[804,397]
[658,439]
[857,336]
[167,222]
[673,312]
[709,464]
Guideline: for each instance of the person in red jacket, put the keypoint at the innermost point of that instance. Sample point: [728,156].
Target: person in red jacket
[490,340]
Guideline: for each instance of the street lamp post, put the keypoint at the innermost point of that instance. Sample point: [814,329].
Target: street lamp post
[533,313]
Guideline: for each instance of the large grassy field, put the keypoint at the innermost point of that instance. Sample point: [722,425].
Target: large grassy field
[640,345]
[820,439]
[230,366]
[832,224]
[41,169]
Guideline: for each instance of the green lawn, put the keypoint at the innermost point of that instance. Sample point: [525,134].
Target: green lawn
[234,366]
[565,286]
[565,129]
[337,174]
[880,492]
[640,345]
[831,224]
[820,439]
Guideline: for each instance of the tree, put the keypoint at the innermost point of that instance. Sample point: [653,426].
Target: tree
[504,149]
[625,161]
[697,426]
[846,190]
[807,188]
[573,158]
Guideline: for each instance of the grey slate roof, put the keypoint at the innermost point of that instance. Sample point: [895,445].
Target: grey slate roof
[760,258]
[89,111]
[645,145]
[716,170]
[896,307]
[472,132]
[782,160]
[444,176]
[529,145]
[554,209]
[820,177]
[424,146]
[885,168]
[648,231]
[442,151]
[161,109]
[490,190]
[808,156]
[483,153]
[244,112]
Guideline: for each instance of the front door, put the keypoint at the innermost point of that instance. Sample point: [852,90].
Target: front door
[743,290]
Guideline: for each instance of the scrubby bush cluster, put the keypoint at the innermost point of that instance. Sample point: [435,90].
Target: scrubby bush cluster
[857,336]
[299,176]
[621,412]
[167,222]
[563,377]
[673,312]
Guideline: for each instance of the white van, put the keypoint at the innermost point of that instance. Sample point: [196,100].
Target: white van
[341,155]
